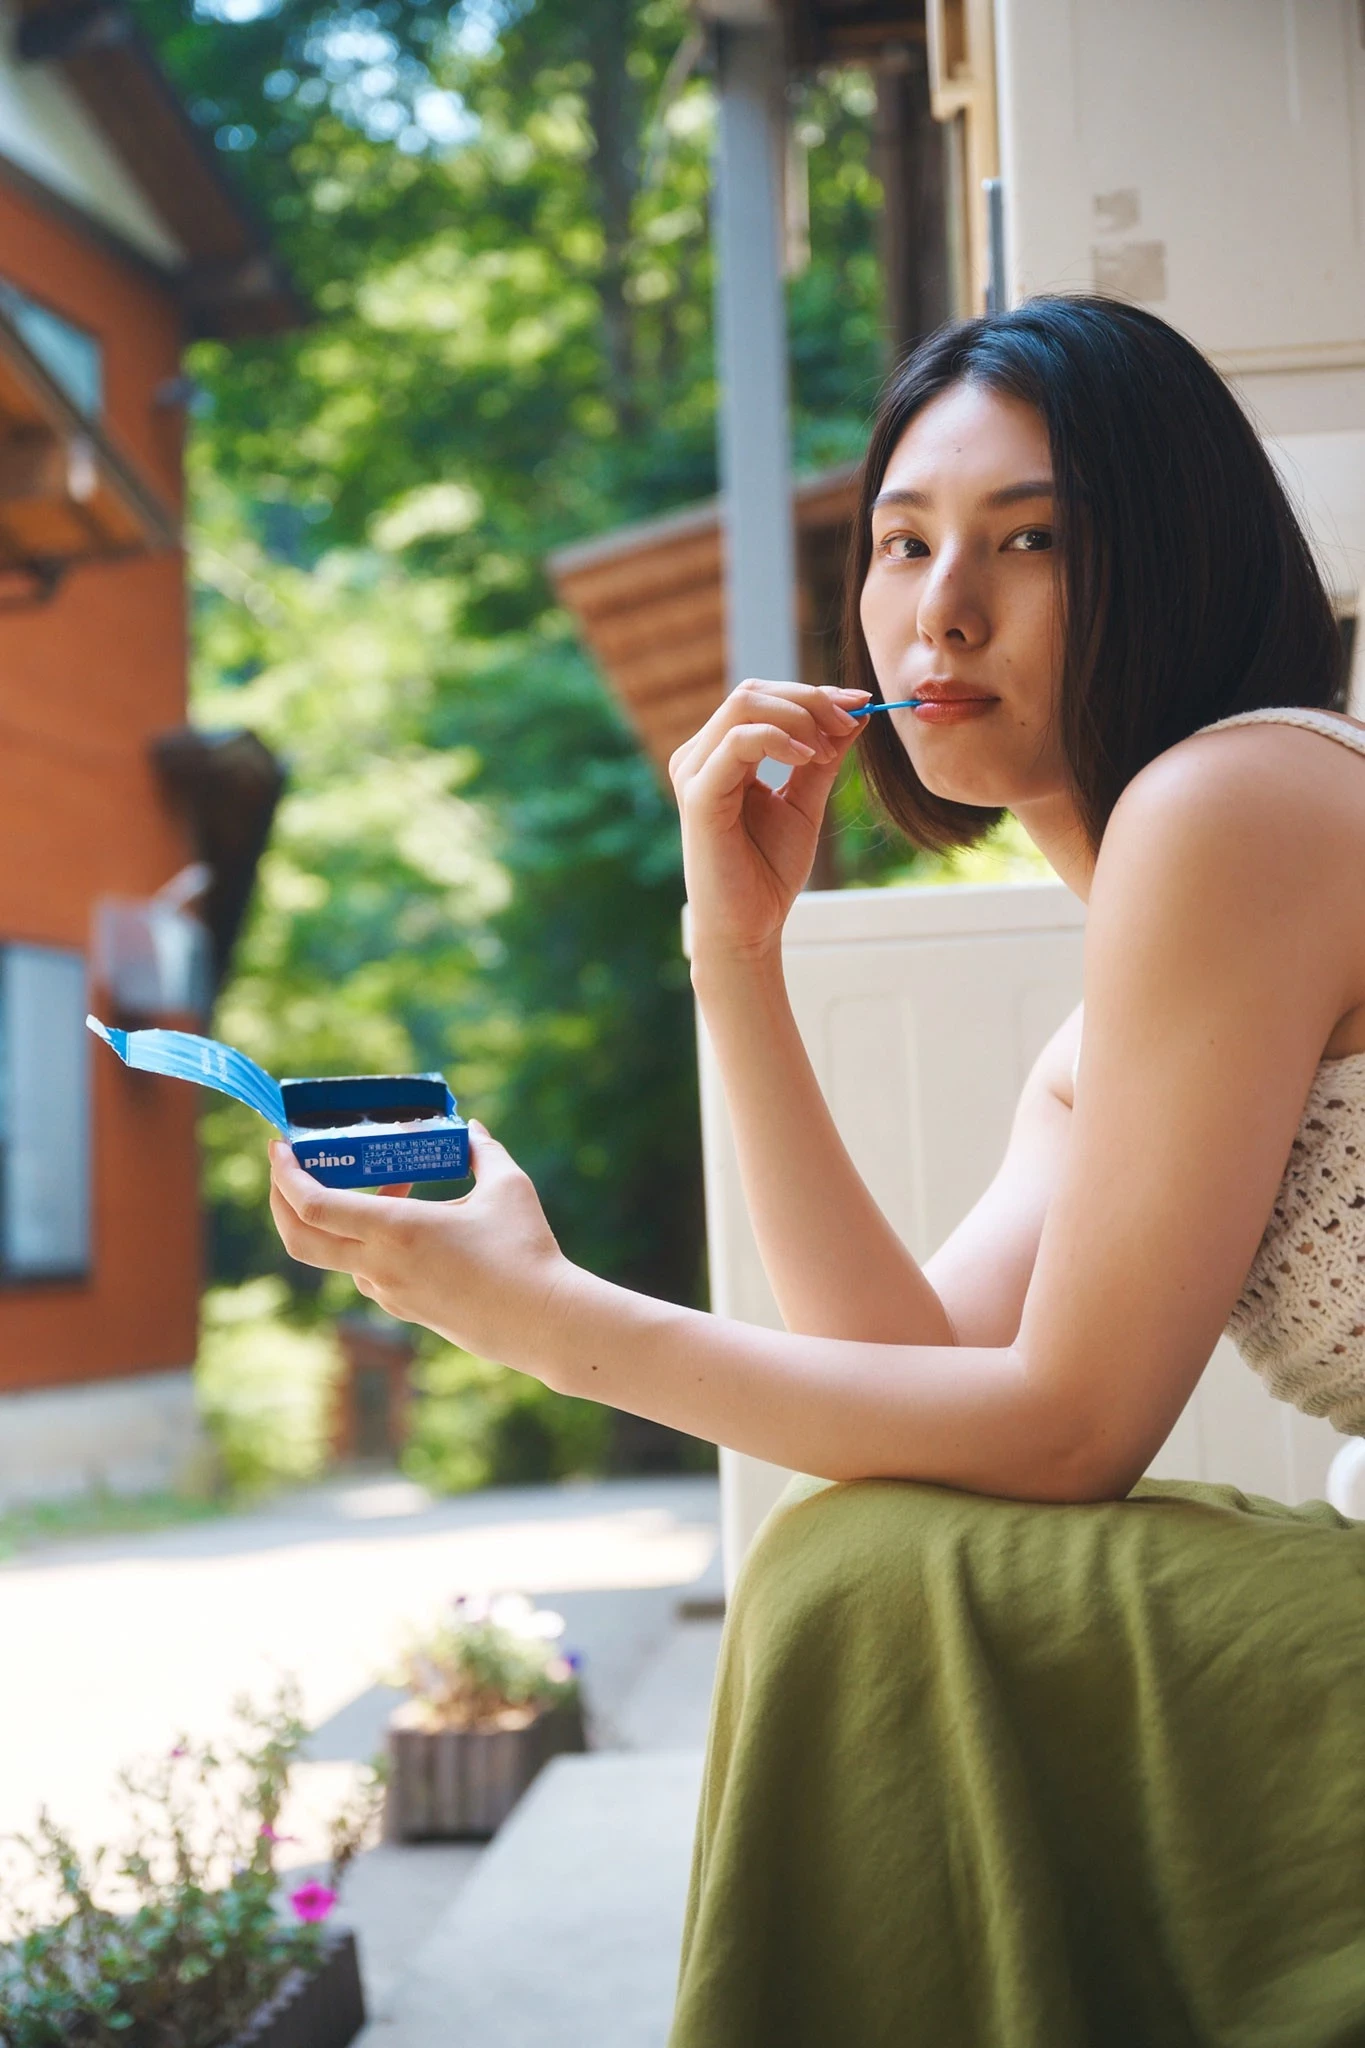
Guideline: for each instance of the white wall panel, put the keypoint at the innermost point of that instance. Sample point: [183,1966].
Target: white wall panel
[1324,475]
[1203,157]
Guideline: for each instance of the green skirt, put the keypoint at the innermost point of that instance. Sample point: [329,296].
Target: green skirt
[985,1774]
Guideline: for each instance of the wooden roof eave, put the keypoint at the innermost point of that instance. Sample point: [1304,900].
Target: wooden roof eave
[232,284]
[67,494]
[649,602]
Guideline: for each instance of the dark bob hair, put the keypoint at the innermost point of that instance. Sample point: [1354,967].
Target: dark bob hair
[1188,589]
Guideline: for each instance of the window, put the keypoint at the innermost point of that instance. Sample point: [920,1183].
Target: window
[44,1114]
[72,358]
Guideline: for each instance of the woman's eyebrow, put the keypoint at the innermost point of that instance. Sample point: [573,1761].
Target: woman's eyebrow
[1008,494]
[1017,494]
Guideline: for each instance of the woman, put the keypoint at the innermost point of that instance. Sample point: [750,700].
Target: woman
[1015,1754]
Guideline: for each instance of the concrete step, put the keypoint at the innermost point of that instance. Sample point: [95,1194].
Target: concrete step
[567,1933]
[669,1706]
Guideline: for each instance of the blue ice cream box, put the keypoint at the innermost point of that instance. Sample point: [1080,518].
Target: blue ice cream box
[351,1131]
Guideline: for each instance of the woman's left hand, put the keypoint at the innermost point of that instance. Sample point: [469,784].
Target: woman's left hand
[482,1271]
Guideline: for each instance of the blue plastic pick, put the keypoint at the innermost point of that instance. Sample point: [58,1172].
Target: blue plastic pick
[905,704]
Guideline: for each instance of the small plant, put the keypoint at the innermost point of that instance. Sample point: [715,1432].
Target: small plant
[177,1939]
[492,1663]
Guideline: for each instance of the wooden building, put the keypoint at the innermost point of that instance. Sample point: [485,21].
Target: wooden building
[119,242]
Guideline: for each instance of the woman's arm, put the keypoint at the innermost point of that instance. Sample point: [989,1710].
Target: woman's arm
[485,1273]
[1217,965]
[834,1263]
[819,1406]
[836,1266]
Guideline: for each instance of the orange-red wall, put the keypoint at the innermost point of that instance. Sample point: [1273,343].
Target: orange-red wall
[86,681]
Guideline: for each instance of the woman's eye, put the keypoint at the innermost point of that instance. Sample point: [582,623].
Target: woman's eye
[1034,540]
[902,547]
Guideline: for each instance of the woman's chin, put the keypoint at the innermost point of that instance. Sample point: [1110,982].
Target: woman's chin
[982,792]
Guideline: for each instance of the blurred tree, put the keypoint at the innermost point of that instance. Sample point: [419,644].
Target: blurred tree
[500,213]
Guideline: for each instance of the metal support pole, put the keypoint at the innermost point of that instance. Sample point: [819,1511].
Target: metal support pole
[751,336]
[755,457]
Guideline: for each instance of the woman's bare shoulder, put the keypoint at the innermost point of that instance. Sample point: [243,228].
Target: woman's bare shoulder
[1220,880]
[1244,808]
[1282,771]
[1249,841]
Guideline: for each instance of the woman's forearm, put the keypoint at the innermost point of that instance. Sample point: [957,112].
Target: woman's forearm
[836,1266]
[486,1273]
[973,1418]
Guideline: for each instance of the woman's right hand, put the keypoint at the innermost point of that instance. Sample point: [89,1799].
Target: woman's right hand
[748,849]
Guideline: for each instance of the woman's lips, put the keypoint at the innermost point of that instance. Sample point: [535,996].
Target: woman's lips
[952,710]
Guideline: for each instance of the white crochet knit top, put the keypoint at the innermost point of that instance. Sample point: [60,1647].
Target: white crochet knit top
[1300,1318]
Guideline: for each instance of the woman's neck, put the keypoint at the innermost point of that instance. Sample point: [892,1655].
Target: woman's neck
[1055,828]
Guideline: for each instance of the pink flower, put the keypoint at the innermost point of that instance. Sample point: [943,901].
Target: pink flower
[313,1901]
[181,1749]
[269,1834]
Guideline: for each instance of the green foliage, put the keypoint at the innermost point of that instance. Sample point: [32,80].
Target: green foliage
[193,1942]
[1007,854]
[477,1424]
[264,1386]
[503,226]
[487,1664]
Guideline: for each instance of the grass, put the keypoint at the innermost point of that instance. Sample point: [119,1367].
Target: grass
[102,1514]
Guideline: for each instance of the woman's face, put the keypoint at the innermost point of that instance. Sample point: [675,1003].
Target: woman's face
[962,603]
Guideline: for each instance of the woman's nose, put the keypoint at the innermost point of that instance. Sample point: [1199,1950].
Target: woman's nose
[950,609]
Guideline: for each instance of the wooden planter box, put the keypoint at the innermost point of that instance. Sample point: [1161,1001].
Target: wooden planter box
[455,1782]
[323,2010]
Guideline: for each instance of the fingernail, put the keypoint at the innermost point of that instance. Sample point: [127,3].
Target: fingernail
[854,696]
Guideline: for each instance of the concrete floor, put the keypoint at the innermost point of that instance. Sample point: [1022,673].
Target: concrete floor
[567,1934]
[114,1647]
